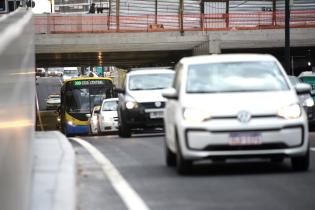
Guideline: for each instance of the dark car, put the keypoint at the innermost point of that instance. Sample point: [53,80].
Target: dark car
[307,101]
[141,104]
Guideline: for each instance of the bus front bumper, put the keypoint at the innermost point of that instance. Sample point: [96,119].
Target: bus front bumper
[76,129]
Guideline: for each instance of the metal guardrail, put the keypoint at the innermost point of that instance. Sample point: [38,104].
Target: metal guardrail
[17,113]
[87,23]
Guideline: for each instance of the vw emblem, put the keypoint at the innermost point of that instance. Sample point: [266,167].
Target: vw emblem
[244,116]
[158,104]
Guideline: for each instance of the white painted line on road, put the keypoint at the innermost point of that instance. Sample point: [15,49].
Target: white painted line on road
[129,196]
[313,149]
[60,81]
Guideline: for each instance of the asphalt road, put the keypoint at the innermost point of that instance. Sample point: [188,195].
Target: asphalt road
[244,185]
[46,86]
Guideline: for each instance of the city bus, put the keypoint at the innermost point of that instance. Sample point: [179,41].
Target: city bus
[78,97]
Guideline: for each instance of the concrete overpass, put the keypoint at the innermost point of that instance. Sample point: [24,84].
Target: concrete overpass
[163,48]
[128,41]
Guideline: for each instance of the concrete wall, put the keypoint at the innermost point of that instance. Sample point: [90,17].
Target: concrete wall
[17,113]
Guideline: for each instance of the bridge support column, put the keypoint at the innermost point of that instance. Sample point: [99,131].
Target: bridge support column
[214,44]
[202,49]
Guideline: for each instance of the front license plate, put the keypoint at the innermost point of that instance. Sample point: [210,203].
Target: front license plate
[155,115]
[245,138]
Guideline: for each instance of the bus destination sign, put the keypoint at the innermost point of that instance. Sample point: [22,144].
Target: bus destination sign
[79,83]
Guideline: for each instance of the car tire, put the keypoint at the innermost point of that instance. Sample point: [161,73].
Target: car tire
[183,166]
[170,157]
[311,127]
[301,163]
[99,132]
[124,131]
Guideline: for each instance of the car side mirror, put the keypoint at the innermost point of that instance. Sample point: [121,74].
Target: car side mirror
[170,93]
[302,88]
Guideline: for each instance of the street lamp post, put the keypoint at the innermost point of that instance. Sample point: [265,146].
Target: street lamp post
[287,37]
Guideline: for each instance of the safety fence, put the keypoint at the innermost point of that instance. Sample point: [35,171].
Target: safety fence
[97,23]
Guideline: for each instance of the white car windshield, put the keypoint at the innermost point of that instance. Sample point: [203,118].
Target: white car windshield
[150,81]
[235,77]
[110,106]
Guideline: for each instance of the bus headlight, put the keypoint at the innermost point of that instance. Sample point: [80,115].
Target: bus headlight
[131,105]
[70,122]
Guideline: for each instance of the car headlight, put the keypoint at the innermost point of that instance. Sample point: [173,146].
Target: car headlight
[292,111]
[131,105]
[195,115]
[309,102]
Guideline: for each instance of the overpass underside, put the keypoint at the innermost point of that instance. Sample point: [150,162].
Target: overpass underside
[128,50]
[122,59]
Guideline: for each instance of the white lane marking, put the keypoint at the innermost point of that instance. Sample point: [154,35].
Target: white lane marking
[60,81]
[313,149]
[129,196]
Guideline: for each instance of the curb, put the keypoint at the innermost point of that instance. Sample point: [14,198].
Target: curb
[54,172]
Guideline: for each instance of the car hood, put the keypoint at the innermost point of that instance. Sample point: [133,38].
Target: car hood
[109,114]
[230,104]
[143,96]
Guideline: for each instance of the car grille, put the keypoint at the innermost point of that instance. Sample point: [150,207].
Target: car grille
[151,105]
[246,147]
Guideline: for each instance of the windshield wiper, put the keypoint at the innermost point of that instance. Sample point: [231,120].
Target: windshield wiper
[156,88]
[203,91]
[137,89]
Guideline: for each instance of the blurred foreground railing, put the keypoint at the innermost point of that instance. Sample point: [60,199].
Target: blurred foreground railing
[87,23]
[17,109]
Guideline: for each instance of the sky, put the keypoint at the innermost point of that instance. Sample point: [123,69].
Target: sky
[41,6]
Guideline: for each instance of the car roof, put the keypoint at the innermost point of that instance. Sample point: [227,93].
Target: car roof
[226,58]
[110,99]
[151,71]
[307,74]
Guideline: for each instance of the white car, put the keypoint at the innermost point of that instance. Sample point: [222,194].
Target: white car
[234,106]
[52,101]
[108,118]
[69,73]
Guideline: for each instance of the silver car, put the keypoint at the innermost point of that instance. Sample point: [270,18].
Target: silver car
[234,106]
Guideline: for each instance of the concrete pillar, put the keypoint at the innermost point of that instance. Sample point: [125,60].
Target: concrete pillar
[214,43]
[202,49]
[214,47]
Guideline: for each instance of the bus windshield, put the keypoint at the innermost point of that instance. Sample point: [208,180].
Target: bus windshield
[84,99]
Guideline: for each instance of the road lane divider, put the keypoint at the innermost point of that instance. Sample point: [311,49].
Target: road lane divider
[61,83]
[129,196]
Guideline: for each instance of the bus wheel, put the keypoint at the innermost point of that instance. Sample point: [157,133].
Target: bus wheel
[124,131]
